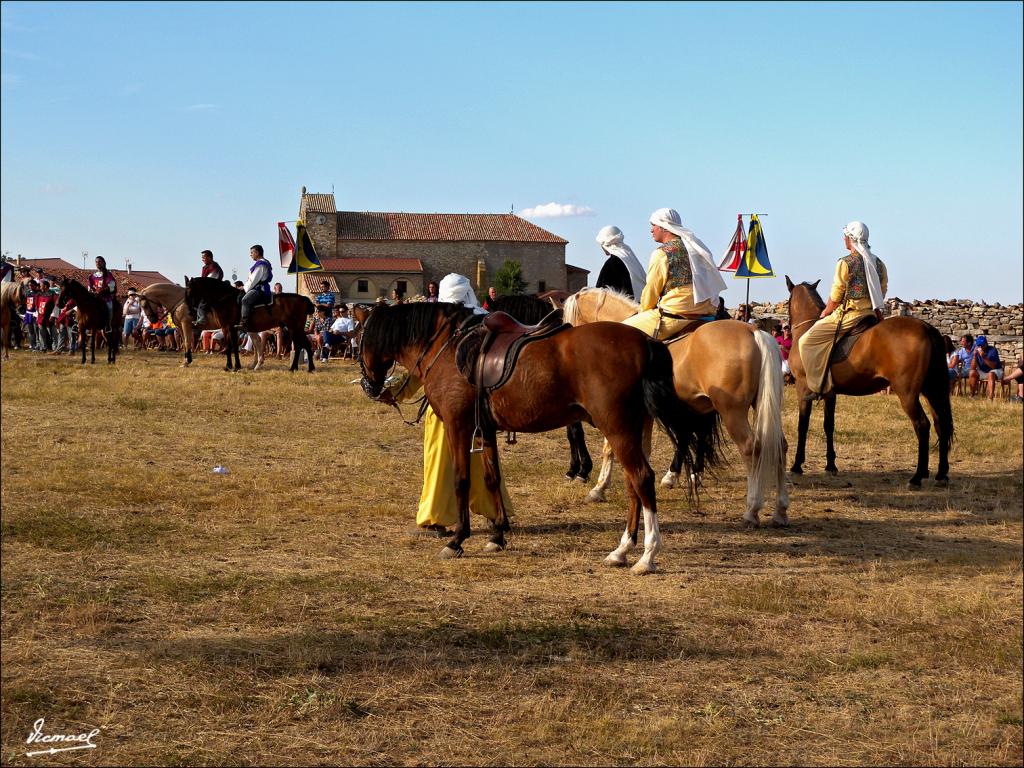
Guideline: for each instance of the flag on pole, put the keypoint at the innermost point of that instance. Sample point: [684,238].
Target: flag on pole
[285,244]
[737,247]
[305,259]
[755,261]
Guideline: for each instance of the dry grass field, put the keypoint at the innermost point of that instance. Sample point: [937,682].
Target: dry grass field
[281,614]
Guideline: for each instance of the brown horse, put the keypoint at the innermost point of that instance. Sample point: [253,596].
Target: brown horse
[360,314]
[11,295]
[726,368]
[92,316]
[903,353]
[288,309]
[611,375]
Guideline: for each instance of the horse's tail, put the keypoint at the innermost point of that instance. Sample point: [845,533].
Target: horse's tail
[696,437]
[935,387]
[769,439]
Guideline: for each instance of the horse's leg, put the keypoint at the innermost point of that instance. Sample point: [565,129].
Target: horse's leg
[912,406]
[82,344]
[604,479]
[237,346]
[735,421]
[586,463]
[574,452]
[492,479]
[229,341]
[92,347]
[309,356]
[802,424]
[188,336]
[459,446]
[781,516]
[257,350]
[640,483]
[830,431]
[938,402]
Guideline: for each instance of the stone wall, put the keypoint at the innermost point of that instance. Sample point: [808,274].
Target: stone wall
[1004,326]
[540,261]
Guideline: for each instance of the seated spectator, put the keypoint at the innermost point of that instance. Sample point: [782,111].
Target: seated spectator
[1018,375]
[321,328]
[397,297]
[212,341]
[338,335]
[964,355]
[985,363]
[312,335]
[952,361]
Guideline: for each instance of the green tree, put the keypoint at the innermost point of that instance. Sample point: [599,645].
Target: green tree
[509,279]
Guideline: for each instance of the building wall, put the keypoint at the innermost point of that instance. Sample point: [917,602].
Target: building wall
[540,261]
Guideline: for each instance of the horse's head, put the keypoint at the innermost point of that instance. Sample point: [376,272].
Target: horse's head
[66,290]
[804,301]
[149,308]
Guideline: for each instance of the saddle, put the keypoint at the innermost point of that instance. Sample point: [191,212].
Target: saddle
[848,339]
[690,327]
[487,353]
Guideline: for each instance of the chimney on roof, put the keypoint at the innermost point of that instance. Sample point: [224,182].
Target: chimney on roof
[128,266]
[303,191]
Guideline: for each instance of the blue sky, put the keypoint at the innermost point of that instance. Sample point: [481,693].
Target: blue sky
[152,131]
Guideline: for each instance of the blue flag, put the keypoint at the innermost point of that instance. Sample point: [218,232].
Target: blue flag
[305,259]
[755,261]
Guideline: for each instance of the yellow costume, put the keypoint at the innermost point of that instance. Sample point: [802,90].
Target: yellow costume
[666,304]
[437,498]
[850,293]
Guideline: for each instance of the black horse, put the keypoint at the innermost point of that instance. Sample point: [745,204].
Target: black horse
[530,310]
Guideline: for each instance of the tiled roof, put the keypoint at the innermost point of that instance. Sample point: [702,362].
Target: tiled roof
[573,268]
[361,264]
[58,268]
[313,280]
[318,203]
[371,225]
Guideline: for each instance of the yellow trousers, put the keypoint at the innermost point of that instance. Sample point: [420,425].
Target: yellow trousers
[651,321]
[816,348]
[437,499]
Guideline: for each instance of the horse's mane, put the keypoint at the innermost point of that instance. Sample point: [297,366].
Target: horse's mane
[526,309]
[812,294]
[389,330]
[571,309]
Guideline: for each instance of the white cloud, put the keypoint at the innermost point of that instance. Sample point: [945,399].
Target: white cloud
[556,211]
[56,189]
[199,107]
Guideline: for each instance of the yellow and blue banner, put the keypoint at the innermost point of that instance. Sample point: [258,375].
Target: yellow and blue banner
[755,261]
[305,258]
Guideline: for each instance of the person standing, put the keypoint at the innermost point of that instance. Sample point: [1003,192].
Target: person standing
[682,283]
[858,291]
[45,303]
[132,313]
[621,270]
[255,290]
[326,296]
[492,294]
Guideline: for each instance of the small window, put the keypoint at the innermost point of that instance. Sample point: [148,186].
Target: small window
[542,286]
[402,286]
[363,286]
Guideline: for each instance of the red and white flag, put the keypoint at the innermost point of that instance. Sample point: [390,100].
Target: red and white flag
[733,256]
[285,244]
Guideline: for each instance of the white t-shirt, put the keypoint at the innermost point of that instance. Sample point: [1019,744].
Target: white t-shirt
[342,325]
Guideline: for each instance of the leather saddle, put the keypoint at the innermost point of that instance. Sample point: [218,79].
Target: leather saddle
[847,340]
[488,352]
[690,327]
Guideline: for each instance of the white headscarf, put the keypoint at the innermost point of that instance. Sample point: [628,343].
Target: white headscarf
[707,282]
[858,233]
[611,239]
[456,289]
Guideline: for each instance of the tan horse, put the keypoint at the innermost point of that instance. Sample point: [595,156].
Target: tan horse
[172,298]
[11,294]
[726,367]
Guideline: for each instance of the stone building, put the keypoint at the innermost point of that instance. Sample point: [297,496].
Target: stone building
[367,254]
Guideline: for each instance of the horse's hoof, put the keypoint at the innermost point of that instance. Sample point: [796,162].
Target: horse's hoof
[942,482]
[493,546]
[450,554]
[595,496]
[831,472]
[748,523]
[580,479]
[914,484]
[795,470]
[780,522]
[642,568]
[669,480]
[569,476]
[615,561]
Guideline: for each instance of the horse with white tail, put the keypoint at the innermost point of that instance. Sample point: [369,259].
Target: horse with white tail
[723,369]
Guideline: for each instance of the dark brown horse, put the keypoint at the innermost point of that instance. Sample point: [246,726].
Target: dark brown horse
[289,310]
[608,374]
[903,353]
[92,316]
[11,295]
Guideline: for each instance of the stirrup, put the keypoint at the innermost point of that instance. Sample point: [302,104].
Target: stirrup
[472,447]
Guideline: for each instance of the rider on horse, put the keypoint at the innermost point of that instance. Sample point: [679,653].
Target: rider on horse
[621,270]
[104,285]
[210,269]
[682,281]
[858,291]
[257,288]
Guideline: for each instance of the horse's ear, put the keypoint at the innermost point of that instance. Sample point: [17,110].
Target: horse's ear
[815,283]
[186,281]
[789,284]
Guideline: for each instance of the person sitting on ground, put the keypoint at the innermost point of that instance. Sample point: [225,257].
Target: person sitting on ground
[212,341]
[986,364]
[1017,375]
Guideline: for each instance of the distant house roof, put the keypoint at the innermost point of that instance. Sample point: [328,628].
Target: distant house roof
[318,203]
[362,264]
[573,268]
[58,268]
[371,225]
